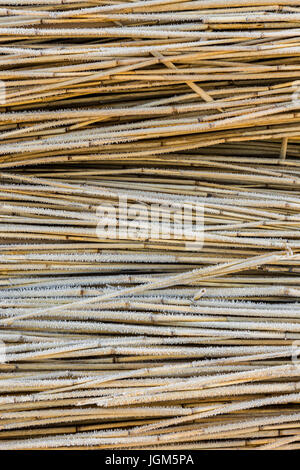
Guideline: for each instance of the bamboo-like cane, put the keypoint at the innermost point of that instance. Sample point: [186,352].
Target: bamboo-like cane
[119,329]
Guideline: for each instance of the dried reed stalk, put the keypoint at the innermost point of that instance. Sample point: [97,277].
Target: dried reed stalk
[142,341]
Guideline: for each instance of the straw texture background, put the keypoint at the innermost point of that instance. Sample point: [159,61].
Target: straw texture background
[141,342]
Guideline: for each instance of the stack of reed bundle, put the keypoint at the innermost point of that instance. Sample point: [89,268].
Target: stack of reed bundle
[143,342]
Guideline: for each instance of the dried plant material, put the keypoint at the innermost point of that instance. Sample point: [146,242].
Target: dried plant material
[149,224]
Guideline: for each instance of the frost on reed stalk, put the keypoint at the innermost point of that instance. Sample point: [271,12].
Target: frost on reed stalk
[141,339]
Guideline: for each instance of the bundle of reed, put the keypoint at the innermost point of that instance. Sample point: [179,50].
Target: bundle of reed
[145,340]
[172,76]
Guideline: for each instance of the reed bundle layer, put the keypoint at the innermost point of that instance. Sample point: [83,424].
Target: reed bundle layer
[149,339]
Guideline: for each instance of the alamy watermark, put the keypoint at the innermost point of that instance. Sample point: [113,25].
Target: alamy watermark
[296,353]
[136,220]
